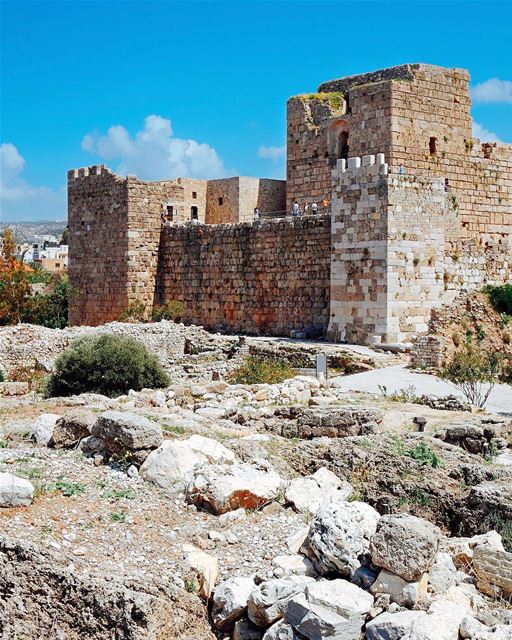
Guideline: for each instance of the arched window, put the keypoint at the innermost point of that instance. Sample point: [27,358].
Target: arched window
[343,147]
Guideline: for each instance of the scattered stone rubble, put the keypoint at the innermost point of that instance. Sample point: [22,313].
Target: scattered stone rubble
[265,512]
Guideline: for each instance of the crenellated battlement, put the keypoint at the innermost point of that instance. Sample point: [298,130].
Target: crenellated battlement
[93,170]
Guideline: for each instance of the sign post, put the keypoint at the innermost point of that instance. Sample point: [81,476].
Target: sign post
[321,366]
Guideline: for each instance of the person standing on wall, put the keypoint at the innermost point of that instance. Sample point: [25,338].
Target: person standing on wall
[306,208]
[314,208]
[256,214]
[295,209]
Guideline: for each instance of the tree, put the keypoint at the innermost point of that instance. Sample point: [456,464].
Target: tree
[471,370]
[15,292]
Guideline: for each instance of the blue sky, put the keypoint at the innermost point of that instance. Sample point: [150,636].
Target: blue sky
[220,72]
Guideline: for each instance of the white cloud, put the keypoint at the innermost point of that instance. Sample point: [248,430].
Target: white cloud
[271,153]
[484,134]
[20,200]
[493,90]
[154,153]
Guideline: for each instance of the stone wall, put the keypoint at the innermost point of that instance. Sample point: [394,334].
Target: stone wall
[391,264]
[115,225]
[268,278]
[194,195]
[233,200]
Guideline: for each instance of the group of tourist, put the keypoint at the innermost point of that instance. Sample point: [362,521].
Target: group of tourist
[297,210]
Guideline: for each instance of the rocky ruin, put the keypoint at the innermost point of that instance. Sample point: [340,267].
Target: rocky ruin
[288,511]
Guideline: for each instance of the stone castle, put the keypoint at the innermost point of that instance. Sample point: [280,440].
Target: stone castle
[415,211]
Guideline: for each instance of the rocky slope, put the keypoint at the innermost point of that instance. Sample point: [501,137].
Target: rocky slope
[275,512]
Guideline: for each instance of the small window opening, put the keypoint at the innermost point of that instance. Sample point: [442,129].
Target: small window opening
[221,201]
[193,213]
[433,146]
[446,185]
[194,195]
[343,147]
[170,213]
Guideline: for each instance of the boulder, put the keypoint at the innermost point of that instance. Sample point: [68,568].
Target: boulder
[267,601]
[472,629]
[280,631]
[339,536]
[71,428]
[405,594]
[230,601]
[334,608]
[246,630]
[442,574]
[294,565]
[223,488]
[92,446]
[461,549]
[14,491]
[391,626]
[309,493]
[126,433]
[175,460]
[405,545]
[43,427]
[205,567]
[442,622]
[493,571]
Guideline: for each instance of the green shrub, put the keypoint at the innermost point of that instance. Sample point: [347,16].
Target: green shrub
[2,379]
[501,298]
[172,310]
[136,312]
[425,455]
[106,364]
[470,369]
[256,370]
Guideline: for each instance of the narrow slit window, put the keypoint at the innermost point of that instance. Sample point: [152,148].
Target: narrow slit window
[193,213]
[221,201]
[433,145]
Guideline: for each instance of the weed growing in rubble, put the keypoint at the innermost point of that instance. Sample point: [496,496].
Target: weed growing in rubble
[257,370]
[118,494]
[118,516]
[425,456]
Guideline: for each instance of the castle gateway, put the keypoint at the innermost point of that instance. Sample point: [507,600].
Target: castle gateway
[411,210]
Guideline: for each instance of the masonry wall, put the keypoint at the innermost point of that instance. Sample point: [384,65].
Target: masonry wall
[267,278]
[98,245]
[240,196]
[115,225]
[194,195]
[391,264]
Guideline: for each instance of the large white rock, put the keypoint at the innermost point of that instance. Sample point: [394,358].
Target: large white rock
[280,631]
[224,488]
[391,626]
[339,535]
[14,491]
[205,566]
[44,426]
[230,601]
[308,494]
[404,593]
[442,574]
[329,609]
[267,601]
[472,629]
[175,460]
[442,622]
[214,451]
[405,545]
[461,549]
[294,565]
